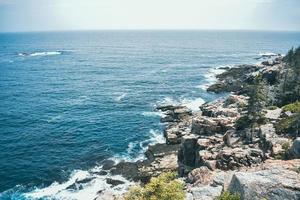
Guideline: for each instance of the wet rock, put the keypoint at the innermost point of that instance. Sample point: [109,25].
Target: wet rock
[127,169]
[114,182]
[108,164]
[267,184]
[174,113]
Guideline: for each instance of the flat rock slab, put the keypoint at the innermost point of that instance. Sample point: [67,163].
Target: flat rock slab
[272,184]
[206,192]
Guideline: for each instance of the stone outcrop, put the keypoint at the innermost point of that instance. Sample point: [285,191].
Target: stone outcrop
[267,184]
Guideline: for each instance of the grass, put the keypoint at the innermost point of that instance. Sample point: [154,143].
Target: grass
[229,196]
[292,107]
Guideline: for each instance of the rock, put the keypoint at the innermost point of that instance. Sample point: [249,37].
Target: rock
[174,113]
[127,169]
[295,150]
[273,115]
[188,152]
[206,192]
[211,125]
[173,135]
[189,196]
[160,150]
[106,195]
[267,184]
[108,164]
[231,159]
[200,176]
[236,100]
[114,182]
[230,138]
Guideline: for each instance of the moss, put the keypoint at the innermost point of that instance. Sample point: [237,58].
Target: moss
[163,187]
[292,107]
[228,196]
[272,107]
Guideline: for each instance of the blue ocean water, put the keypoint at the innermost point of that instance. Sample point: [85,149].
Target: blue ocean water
[69,100]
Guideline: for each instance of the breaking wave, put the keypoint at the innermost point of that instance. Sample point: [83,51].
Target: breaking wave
[42,53]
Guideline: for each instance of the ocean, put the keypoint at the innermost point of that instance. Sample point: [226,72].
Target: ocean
[70,100]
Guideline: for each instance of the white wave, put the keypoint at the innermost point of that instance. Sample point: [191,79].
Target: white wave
[168,101]
[42,53]
[203,86]
[267,54]
[193,104]
[153,114]
[121,97]
[73,189]
[155,137]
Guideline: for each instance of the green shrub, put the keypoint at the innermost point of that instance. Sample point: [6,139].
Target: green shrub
[163,187]
[293,107]
[228,196]
[288,124]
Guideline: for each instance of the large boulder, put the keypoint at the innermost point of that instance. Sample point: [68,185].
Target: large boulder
[188,153]
[295,150]
[267,184]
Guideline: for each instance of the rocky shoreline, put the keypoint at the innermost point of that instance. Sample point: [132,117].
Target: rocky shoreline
[212,154]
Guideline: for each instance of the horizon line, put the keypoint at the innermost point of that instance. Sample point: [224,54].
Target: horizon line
[147,29]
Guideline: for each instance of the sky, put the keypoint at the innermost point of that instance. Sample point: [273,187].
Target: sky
[50,15]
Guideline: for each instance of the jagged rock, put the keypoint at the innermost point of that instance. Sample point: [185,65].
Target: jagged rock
[187,154]
[174,113]
[173,135]
[233,79]
[236,100]
[235,158]
[200,176]
[211,125]
[206,192]
[295,150]
[160,150]
[267,184]
[230,138]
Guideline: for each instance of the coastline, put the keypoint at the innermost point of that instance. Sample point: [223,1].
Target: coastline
[200,145]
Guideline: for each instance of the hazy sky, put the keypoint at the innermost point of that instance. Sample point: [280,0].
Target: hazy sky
[43,15]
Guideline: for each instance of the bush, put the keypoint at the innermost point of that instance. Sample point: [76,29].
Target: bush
[163,187]
[292,107]
[288,124]
[228,196]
